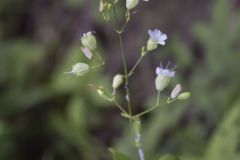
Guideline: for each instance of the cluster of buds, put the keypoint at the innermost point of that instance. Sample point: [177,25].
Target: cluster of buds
[176,93]
[162,80]
[105,6]
[89,45]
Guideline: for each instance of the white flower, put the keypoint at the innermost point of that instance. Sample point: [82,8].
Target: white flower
[157,36]
[163,78]
[165,72]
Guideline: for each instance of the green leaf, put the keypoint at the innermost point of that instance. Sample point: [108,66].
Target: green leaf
[117,155]
[225,142]
[168,157]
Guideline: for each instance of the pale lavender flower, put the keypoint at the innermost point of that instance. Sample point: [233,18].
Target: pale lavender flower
[163,78]
[157,36]
[165,72]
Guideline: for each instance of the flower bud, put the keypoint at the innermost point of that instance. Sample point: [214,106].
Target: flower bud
[130,4]
[161,82]
[176,91]
[87,52]
[79,69]
[89,40]
[100,92]
[117,81]
[184,96]
[101,6]
[151,45]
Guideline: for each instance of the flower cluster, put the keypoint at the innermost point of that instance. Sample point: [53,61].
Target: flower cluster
[163,74]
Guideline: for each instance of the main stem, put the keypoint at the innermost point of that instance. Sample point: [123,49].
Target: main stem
[126,77]
[128,98]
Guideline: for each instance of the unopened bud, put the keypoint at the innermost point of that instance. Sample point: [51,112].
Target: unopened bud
[101,4]
[100,92]
[117,81]
[79,69]
[176,91]
[184,96]
[87,52]
[89,40]
[109,6]
[130,4]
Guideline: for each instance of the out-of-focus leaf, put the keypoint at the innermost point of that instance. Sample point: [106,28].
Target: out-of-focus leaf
[117,155]
[225,142]
[168,157]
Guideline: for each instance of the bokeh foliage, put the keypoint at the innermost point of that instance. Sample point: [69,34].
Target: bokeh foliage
[47,115]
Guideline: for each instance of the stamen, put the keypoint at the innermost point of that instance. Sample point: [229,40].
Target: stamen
[161,65]
[174,67]
[168,64]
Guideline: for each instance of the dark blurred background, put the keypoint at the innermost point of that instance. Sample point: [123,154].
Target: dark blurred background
[47,115]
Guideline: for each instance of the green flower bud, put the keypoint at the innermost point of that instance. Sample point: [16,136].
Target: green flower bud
[184,96]
[151,45]
[109,6]
[117,81]
[161,82]
[100,92]
[79,69]
[89,40]
[130,4]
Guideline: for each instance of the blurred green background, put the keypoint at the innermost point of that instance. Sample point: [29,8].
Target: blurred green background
[47,115]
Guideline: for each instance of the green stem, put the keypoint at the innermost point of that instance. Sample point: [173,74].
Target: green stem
[112,99]
[150,109]
[128,16]
[97,66]
[135,66]
[119,106]
[100,59]
[124,65]
[126,75]
[115,16]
